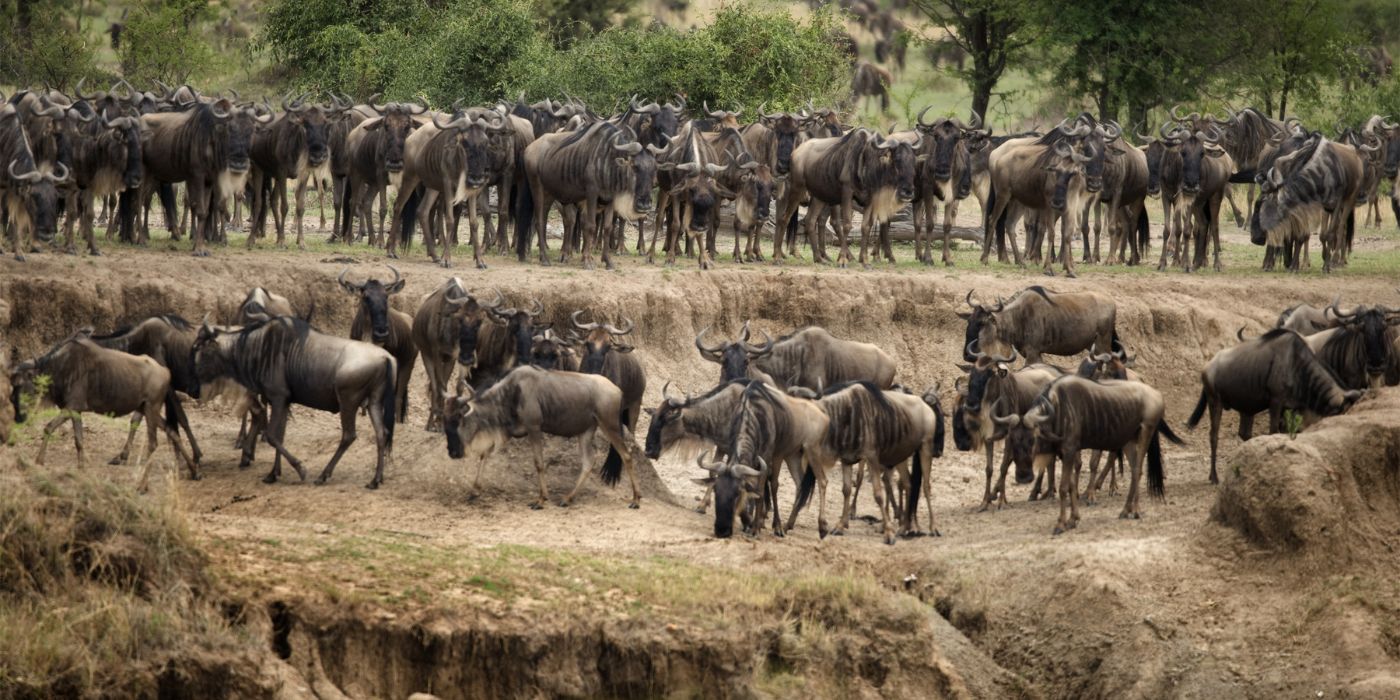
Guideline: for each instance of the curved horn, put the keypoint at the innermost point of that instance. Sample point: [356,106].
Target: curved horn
[666,396]
[630,149]
[627,322]
[582,326]
[341,280]
[397,276]
[500,299]
[920,118]
[974,349]
[89,96]
[31,176]
[968,299]
[57,178]
[1010,420]
[707,351]
[759,350]
[975,122]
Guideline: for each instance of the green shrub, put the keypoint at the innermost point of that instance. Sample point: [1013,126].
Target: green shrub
[51,52]
[165,41]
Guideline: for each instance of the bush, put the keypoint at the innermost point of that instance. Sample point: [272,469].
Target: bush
[50,53]
[164,41]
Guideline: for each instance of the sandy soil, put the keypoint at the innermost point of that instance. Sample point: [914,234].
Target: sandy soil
[1175,604]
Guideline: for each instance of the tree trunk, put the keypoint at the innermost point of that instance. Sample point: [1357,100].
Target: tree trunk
[24,11]
[982,97]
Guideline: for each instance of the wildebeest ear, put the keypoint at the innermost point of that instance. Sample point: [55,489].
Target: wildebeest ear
[1002,369]
[623,348]
[748,486]
[704,481]
[396,287]
[374,124]
[964,315]
[966,368]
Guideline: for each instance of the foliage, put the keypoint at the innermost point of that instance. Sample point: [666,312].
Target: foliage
[571,20]
[164,40]
[1294,46]
[1293,422]
[992,32]
[51,51]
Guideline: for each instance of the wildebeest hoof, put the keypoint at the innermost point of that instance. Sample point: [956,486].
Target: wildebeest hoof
[320,480]
[445,264]
[838,532]
[563,504]
[536,506]
[634,506]
[269,479]
[19,257]
[372,485]
[700,509]
[116,461]
[1057,531]
[889,538]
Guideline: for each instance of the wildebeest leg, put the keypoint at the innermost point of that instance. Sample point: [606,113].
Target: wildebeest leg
[276,428]
[153,425]
[51,426]
[1006,459]
[885,241]
[201,197]
[1067,228]
[436,386]
[382,448]
[1070,459]
[78,439]
[1229,195]
[950,212]
[543,203]
[279,209]
[846,501]
[130,438]
[301,208]
[1134,452]
[1044,467]
[347,436]
[1275,418]
[820,473]
[987,492]
[1215,410]
[1094,458]
[883,498]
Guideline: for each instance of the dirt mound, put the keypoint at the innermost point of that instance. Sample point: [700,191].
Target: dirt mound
[1330,496]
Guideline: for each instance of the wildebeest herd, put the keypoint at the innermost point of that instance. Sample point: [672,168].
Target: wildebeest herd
[658,163]
[807,401]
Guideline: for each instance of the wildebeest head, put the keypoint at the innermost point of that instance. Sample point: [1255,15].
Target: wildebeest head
[23,378]
[698,186]
[396,122]
[468,425]
[315,126]
[1070,164]
[122,138]
[733,484]
[207,357]
[945,134]
[598,342]
[787,134]
[1040,419]
[474,134]
[756,182]
[665,428]
[1194,148]
[1105,365]
[1276,201]
[982,326]
[982,423]
[39,194]
[733,358]
[549,351]
[658,124]
[1390,134]
[468,312]
[374,302]
[520,326]
[896,162]
[232,129]
[1373,325]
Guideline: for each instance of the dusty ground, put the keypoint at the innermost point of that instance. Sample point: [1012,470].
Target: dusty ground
[1174,605]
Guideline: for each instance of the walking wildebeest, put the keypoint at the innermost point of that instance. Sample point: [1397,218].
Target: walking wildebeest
[386,327]
[1039,321]
[284,361]
[445,330]
[1275,372]
[531,403]
[87,378]
[1075,413]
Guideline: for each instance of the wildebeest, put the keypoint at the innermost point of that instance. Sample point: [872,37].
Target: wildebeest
[1275,372]
[1305,319]
[294,144]
[1099,366]
[815,359]
[686,175]
[106,161]
[986,412]
[86,378]
[602,354]
[860,168]
[531,403]
[445,330]
[600,166]
[167,339]
[207,147]
[1360,351]
[870,80]
[1047,176]
[1205,179]
[283,361]
[386,327]
[1321,173]
[1075,413]
[694,424]
[550,351]
[29,193]
[1037,321]
[946,158]
[505,342]
[376,157]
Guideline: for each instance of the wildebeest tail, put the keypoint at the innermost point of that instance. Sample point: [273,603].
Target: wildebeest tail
[524,217]
[612,467]
[804,489]
[1166,431]
[410,215]
[1156,477]
[1143,229]
[166,191]
[916,484]
[389,401]
[1200,410]
[126,213]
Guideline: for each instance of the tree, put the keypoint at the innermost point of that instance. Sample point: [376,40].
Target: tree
[992,32]
[1294,46]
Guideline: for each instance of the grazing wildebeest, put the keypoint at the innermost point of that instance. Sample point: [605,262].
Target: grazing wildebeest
[531,403]
[1306,320]
[294,144]
[735,359]
[766,428]
[1275,372]
[1360,351]
[986,414]
[386,327]
[1321,173]
[284,361]
[207,147]
[106,161]
[504,343]
[597,166]
[1039,321]
[29,194]
[167,339]
[602,354]
[445,330]
[376,150]
[1075,413]
[87,378]
[860,168]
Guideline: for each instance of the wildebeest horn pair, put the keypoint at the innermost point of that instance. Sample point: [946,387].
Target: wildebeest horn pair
[605,326]
[1064,150]
[974,349]
[976,305]
[738,470]
[37,175]
[353,287]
